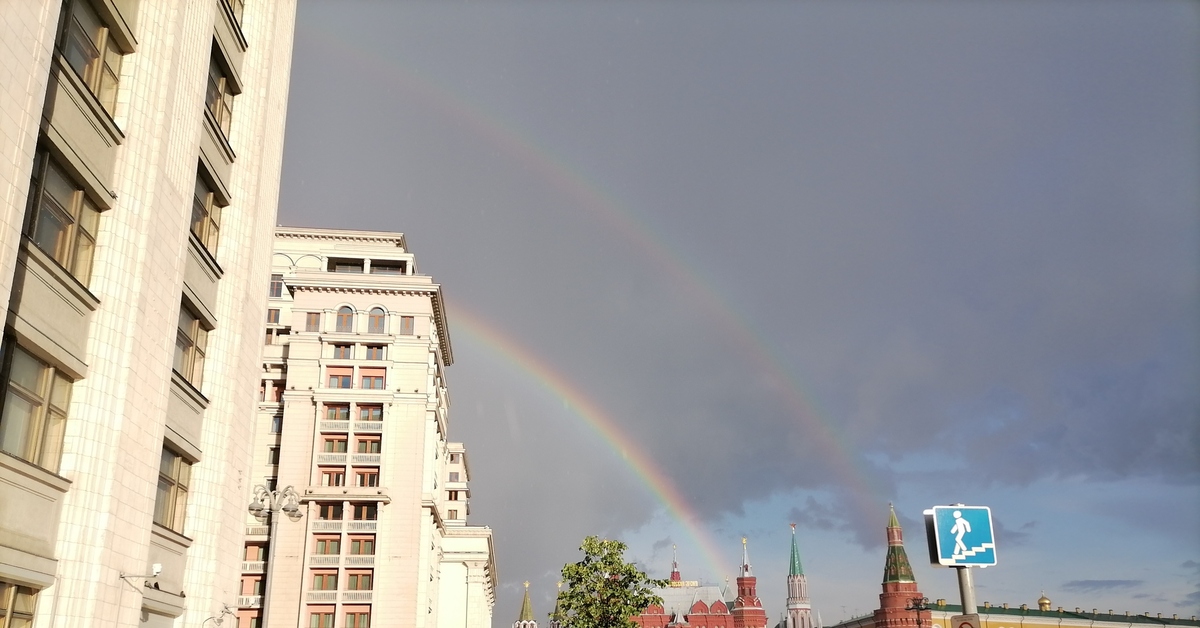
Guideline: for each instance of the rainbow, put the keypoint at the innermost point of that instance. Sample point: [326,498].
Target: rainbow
[603,425]
[864,493]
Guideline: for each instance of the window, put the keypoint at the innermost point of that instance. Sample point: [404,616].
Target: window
[365,512]
[248,618]
[343,352]
[320,618]
[370,413]
[206,215]
[454,458]
[374,352]
[454,476]
[271,390]
[170,503]
[277,424]
[375,321]
[334,445]
[237,6]
[329,511]
[255,551]
[406,325]
[272,455]
[16,605]
[273,316]
[190,341]
[359,580]
[382,267]
[452,495]
[366,477]
[358,616]
[340,376]
[219,97]
[92,53]
[337,265]
[252,585]
[345,319]
[337,412]
[367,444]
[328,545]
[276,286]
[362,545]
[271,483]
[333,476]
[372,379]
[61,219]
[323,580]
[452,514]
[35,409]
[312,321]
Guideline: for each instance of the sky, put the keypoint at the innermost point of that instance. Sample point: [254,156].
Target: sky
[713,268]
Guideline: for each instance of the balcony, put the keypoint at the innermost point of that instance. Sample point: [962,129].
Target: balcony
[324,560]
[339,459]
[333,525]
[364,458]
[252,566]
[256,530]
[321,596]
[362,526]
[368,426]
[356,596]
[249,601]
[360,560]
[335,426]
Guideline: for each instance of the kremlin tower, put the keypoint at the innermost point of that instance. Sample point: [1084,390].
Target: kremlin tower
[747,609]
[799,610]
[899,585]
[526,619]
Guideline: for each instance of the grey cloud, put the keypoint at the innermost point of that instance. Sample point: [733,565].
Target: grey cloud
[1092,586]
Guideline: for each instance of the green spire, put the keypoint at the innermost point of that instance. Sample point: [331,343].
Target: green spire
[896,567]
[796,569]
[526,606]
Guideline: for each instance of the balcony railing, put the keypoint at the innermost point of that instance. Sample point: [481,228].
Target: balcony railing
[356,596]
[335,426]
[249,601]
[360,560]
[324,560]
[333,525]
[252,566]
[362,526]
[338,458]
[256,530]
[367,426]
[322,596]
[364,458]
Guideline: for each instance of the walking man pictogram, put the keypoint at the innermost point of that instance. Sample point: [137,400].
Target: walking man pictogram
[961,527]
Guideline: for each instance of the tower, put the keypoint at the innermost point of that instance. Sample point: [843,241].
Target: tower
[799,610]
[526,620]
[747,609]
[675,577]
[899,585]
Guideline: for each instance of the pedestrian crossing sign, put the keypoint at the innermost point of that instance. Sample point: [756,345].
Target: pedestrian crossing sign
[960,536]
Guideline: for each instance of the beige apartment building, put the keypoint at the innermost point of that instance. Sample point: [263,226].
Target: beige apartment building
[140,151]
[354,417]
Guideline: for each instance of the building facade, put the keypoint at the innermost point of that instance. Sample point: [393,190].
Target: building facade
[354,414]
[689,603]
[142,143]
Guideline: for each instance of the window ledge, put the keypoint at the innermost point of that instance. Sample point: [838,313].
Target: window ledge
[235,25]
[64,276]
[189,390]
[106,122]
[206,257]
[210,122]
[378,494]
[51,480]
[170,537]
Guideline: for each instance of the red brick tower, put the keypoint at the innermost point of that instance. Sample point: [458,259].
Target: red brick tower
[899,585]
[675,577]
[747,609]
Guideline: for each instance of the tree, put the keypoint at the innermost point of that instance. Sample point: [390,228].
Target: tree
[604,591]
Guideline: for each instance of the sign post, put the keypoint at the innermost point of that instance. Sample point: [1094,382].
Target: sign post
[961,537]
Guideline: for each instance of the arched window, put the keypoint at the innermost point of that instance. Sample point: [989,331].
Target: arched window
[345,319]
[375,321]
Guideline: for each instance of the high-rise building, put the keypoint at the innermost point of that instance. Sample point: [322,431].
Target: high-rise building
[354,415]
[141,149]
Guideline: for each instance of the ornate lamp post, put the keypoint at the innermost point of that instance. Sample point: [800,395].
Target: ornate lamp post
[269,503]
[918,604]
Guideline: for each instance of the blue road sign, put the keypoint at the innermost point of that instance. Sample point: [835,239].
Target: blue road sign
[961,536]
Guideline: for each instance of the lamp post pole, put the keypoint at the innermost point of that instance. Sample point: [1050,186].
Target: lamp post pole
[918,604]
[269,503]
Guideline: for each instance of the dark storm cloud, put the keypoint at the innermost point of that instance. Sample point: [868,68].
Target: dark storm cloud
[944,228]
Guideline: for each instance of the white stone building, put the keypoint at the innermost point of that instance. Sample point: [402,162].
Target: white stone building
[354,415]
[140,151]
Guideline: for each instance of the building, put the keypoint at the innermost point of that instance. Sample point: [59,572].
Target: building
[354,414]
[142,143]
[687,602]
[799,608]
[902,604]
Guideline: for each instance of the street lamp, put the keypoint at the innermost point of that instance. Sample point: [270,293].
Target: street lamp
[918,604]
[269,503]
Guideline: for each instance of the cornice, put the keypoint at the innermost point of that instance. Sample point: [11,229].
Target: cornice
[341,235]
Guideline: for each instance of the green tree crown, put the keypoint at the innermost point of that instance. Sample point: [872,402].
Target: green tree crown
[602,590]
